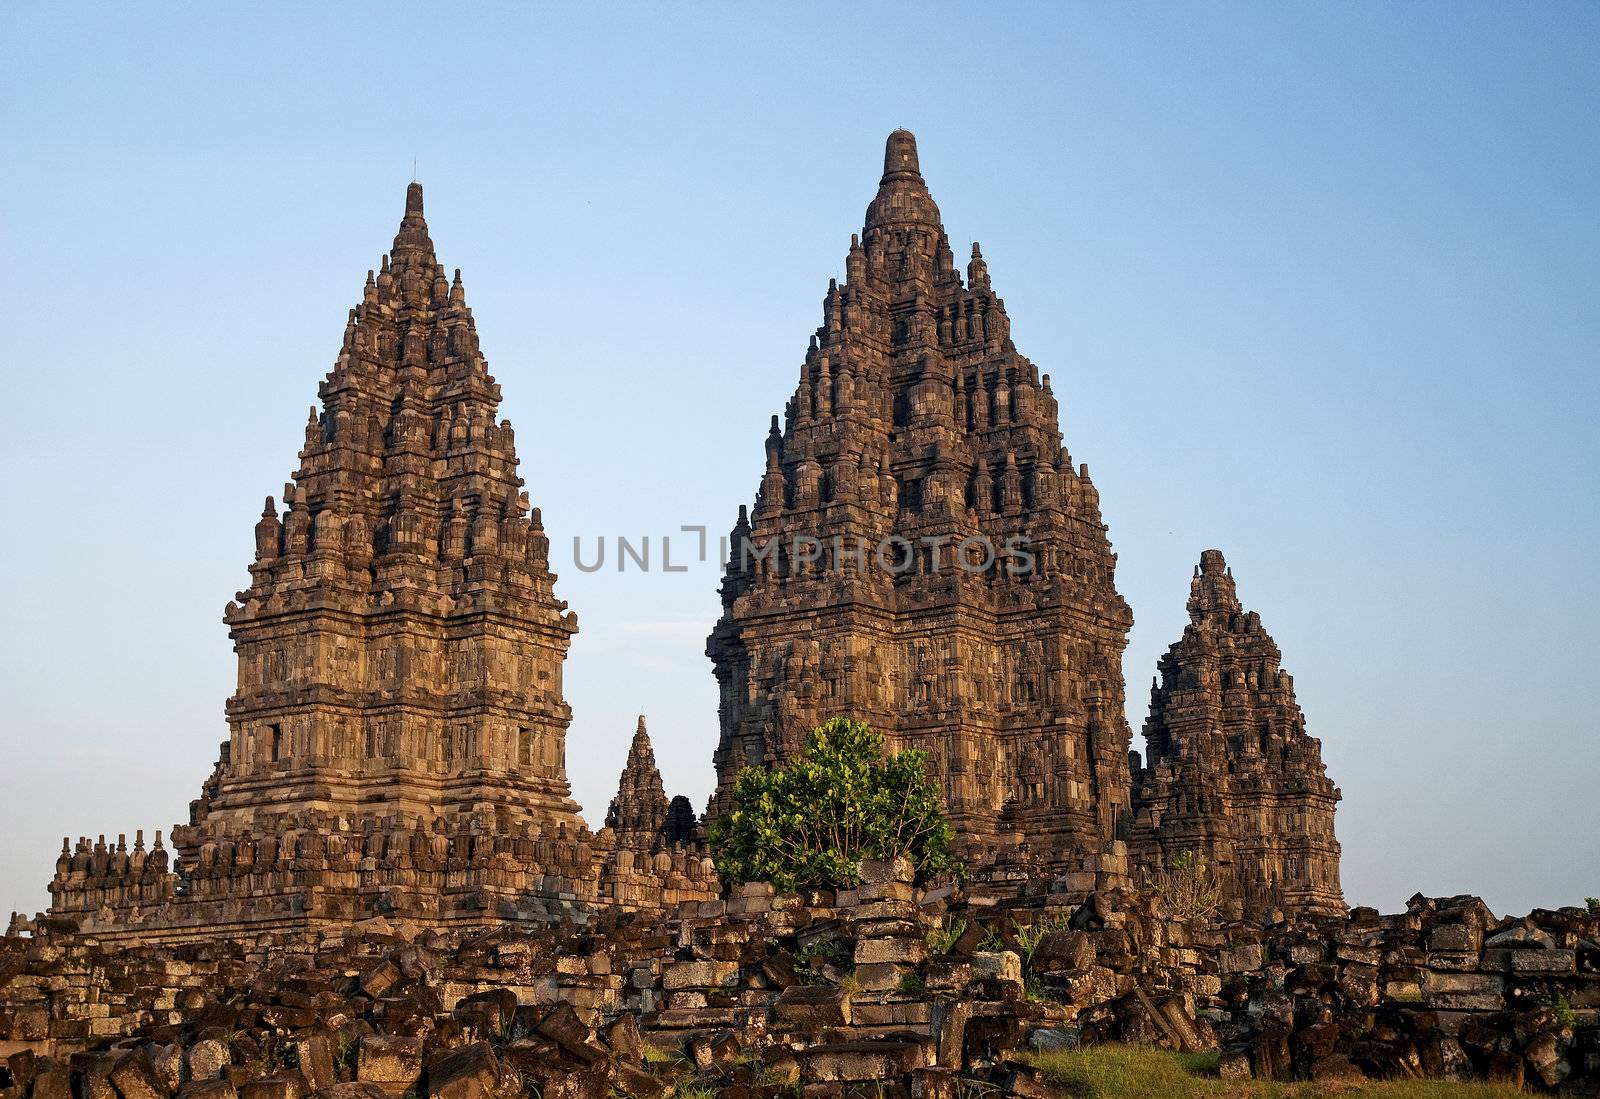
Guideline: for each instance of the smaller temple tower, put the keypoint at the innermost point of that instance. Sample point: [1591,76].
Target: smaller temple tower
[640,812]
[1231,774]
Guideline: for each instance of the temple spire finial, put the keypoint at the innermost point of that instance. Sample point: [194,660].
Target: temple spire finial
[900,157]
[903,199]
[412,239]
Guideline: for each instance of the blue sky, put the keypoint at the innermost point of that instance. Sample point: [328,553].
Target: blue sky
[1316,286]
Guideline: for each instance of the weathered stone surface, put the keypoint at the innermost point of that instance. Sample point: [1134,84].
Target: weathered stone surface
[906,951]
[218,1089]
[1001,965]
[206,1059]
[314,1056]
[813,1006]
[393,1063]
[854,1062]
[702,974]
[135,1078]
[471,1072]
[280,1085]
[1244,958]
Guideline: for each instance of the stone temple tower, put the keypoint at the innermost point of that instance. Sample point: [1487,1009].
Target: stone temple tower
[1232,775]
[920,443]
[400,645]
[397,739]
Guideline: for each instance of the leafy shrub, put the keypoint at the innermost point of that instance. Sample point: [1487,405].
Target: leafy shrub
[821,954]
[1186,887]
[1030,935]
[808,823]
[1594,905]
[942,938]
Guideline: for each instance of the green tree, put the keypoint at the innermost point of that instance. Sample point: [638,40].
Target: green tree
[808,823]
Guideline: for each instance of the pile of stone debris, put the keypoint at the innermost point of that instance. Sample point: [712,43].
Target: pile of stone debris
[887,988]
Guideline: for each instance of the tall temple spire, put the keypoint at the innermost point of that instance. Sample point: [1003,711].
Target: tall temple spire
[1212,592]
[408,547]
[900,157]
[916,418]
[397,738]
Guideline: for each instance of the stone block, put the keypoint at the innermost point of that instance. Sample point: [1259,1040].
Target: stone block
[280,1085]
[1061,951]
[1234,1064]
[135,1078]
[880,976]
[905,951]
[814,1006]
[355,1089]
[314,1055]
[206,1059]
[1455,937]
[1053,1039]
[882,871]
[1544,963]
[999,965]
[863,1062]
[470,1072]
[392,1062]
[208,1089]
[563,1027]
[1242,958]
[700,974]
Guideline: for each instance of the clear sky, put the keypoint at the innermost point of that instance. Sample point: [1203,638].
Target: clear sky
[1316,285]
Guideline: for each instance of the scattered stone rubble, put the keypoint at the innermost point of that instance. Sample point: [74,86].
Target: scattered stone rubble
[917,992]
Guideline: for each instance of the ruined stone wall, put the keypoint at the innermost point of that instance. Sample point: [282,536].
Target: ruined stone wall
[918,991]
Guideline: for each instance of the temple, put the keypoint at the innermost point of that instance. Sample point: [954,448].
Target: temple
[1232,778]
[924,554]
[397,741]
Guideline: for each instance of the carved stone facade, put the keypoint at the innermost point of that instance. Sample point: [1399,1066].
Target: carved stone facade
[918,443]
[1232,777]
[398,737]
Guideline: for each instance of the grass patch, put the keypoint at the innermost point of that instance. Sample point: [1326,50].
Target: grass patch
[1143,1072]
[655,1055]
